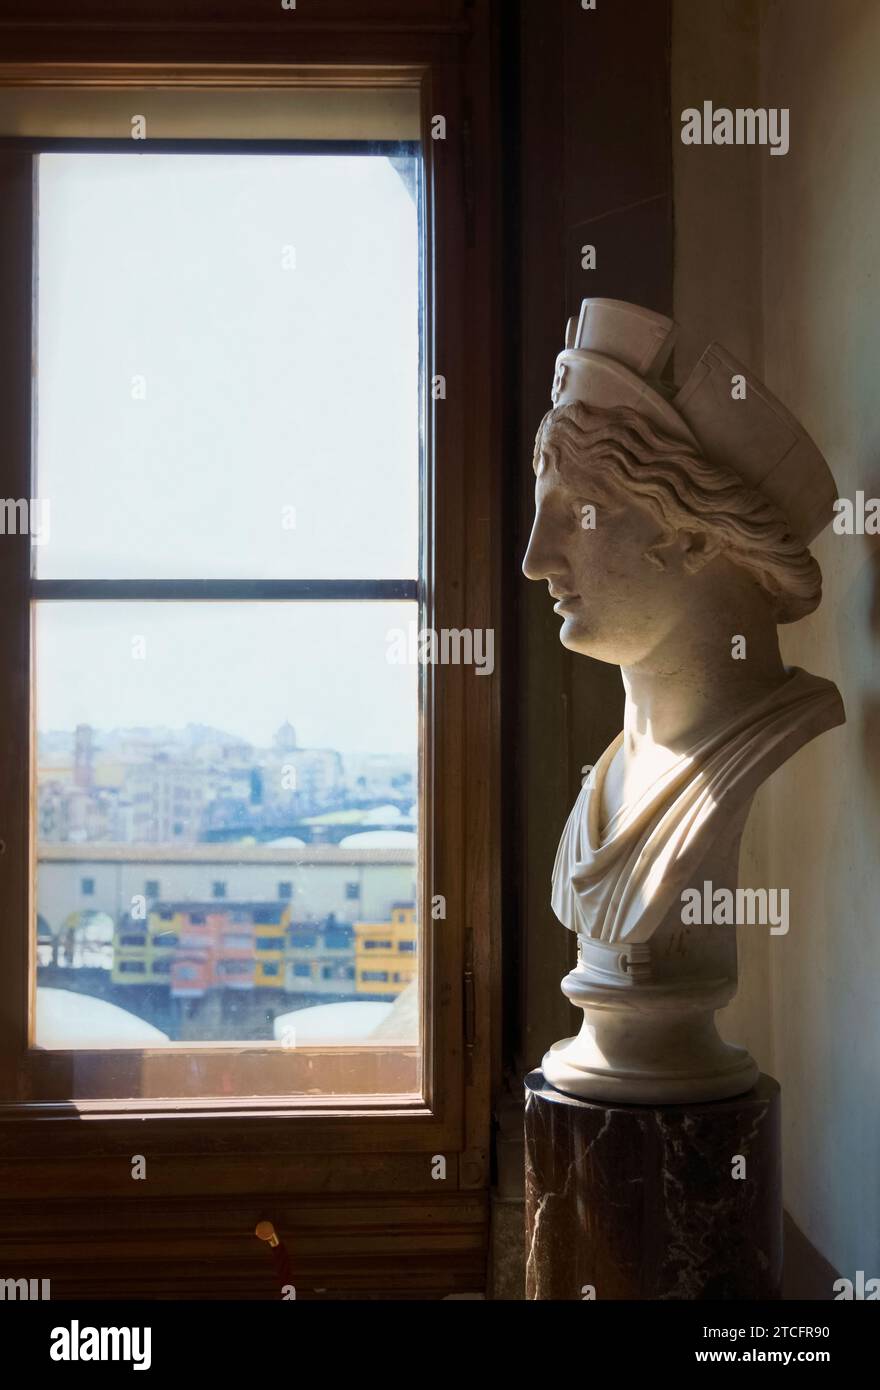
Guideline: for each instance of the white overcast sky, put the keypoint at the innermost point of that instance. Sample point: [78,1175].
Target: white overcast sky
[244,668]
[266,387]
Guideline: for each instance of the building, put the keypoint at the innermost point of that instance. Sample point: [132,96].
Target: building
[386,952]
[320,958]
[372,777]
[317,882]
[131,954]
[235,963]
[194,947]
[144,946]
[167,797]
[187,935]
[301,781]
[271,921]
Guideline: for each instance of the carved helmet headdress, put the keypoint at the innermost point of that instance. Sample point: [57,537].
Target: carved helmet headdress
[613,357]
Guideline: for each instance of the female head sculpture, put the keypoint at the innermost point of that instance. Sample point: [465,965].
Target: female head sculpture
[618,456]
[674,537]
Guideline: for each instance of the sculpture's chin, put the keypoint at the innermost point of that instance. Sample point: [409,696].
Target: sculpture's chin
[577,637]
[570,636]
[613,646]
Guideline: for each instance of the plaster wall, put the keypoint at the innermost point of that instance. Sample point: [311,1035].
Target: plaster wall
[777,257]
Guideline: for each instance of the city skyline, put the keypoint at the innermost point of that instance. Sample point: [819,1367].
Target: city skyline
[198,785]
[179,731]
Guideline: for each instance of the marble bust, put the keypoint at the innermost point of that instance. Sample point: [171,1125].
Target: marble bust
[672,528]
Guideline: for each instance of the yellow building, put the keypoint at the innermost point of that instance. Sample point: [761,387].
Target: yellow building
[386,952]
[131,953]
[143,948]
[270,921]
[166,926]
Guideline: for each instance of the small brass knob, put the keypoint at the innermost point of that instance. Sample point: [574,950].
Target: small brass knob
[266,1231]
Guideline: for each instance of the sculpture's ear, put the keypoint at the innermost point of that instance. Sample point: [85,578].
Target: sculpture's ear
[697,549]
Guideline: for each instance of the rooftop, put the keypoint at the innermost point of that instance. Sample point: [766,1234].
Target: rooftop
[94,852]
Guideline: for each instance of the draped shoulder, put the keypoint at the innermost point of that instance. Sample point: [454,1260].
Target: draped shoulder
[620,887]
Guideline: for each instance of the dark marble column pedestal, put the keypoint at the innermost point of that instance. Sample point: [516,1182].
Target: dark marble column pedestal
[644,1202]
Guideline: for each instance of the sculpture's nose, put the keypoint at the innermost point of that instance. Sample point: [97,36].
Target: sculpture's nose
[534,565]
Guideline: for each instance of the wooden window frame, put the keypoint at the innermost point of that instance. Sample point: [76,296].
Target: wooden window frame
[381,1144]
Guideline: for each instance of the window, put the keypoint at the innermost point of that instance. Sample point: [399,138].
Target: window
[233,942]
[269,943]
[262,533]
[406,945]
[235,967]
[338,938]
[132,967]
[226,623]
[375,975]
[151,888]
[87,887]
[267,916]
[302,970]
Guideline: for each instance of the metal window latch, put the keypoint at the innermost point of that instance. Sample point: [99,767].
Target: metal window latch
[266,1231]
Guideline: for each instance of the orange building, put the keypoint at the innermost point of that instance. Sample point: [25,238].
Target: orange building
[217,945]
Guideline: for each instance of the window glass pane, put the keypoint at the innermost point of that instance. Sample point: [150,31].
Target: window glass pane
[194,759]
[228,366]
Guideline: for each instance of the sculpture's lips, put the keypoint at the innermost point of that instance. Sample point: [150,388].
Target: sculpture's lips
[563,600]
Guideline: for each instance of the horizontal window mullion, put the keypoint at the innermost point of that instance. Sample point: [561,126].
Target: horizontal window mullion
[324,590]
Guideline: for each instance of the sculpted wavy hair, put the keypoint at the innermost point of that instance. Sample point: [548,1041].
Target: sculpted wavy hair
[621,447]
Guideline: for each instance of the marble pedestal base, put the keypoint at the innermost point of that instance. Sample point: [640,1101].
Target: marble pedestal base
[643,1202]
